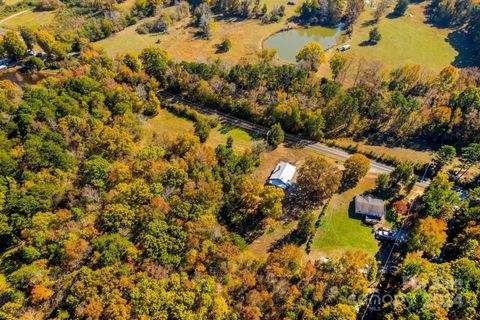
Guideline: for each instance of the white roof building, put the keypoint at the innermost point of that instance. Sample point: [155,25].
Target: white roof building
[282,176]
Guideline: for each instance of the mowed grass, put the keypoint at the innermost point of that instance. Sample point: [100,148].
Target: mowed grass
[340,229]
[405,40]
[31,19]
[183,43]
[169,126]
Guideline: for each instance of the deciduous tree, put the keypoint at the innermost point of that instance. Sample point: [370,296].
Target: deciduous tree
[318,179]
[429,236]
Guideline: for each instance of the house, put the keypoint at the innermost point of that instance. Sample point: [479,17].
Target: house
[282,175]
[372,209]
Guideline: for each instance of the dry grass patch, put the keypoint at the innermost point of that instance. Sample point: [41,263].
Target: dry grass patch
[403,154]
[31,19]
[182,42]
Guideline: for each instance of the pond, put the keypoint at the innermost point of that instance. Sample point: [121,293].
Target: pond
[14,75]
[288,43]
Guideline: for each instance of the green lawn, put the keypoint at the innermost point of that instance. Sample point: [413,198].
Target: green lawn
[169,125]
[405,40]
[340,230]
[31,19]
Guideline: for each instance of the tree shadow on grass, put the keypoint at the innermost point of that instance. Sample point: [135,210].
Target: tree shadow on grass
[466,56]
[366,43]
[368,23]
[293,237]
[393,15]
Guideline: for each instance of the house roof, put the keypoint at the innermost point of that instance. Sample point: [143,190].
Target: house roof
[284,172]
[368,205]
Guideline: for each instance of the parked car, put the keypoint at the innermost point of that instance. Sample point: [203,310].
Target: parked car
[345,47]
[383,233]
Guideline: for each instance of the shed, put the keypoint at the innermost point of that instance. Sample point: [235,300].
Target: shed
[371,208]
[282,176]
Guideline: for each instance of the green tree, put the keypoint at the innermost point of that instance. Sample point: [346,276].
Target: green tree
[443,157]
[439,200]
[155,63]
[12,46]
[337,64]
[469,158]
[374,36]
[276,135]
[225,45]
[95,172]
[311,56]
[306,225]
[356,167]
[202,129]
[34,64]
[164,243]
[113,249]
[116,217]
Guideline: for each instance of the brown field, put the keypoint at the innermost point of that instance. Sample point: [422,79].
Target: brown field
[182,42]
[403,154]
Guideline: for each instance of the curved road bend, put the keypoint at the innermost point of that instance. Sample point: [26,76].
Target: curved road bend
[339,154]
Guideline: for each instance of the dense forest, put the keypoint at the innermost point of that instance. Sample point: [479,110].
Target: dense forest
[98,220]
[96,224]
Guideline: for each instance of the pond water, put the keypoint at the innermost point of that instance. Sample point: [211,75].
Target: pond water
[288,43]
[19,78]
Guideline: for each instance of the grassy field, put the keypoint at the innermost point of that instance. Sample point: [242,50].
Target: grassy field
[403,154]
[261,246]
[405,40]
[340,229]
[12,2]
[170,126]
[31,19]
[182,43]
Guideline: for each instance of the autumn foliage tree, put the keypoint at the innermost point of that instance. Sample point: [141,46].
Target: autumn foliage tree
[428,236]
[356,167]
[311,56]
[318,179]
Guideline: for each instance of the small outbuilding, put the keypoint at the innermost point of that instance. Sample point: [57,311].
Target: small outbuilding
[371,208]
[282,176]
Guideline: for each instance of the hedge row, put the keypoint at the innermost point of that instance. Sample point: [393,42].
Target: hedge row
[189,113]
[308,246]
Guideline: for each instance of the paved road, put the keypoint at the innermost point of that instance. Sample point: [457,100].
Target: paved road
[335,153]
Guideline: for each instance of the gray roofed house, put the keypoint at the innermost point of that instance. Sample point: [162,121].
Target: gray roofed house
[371,208]
[282,176]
